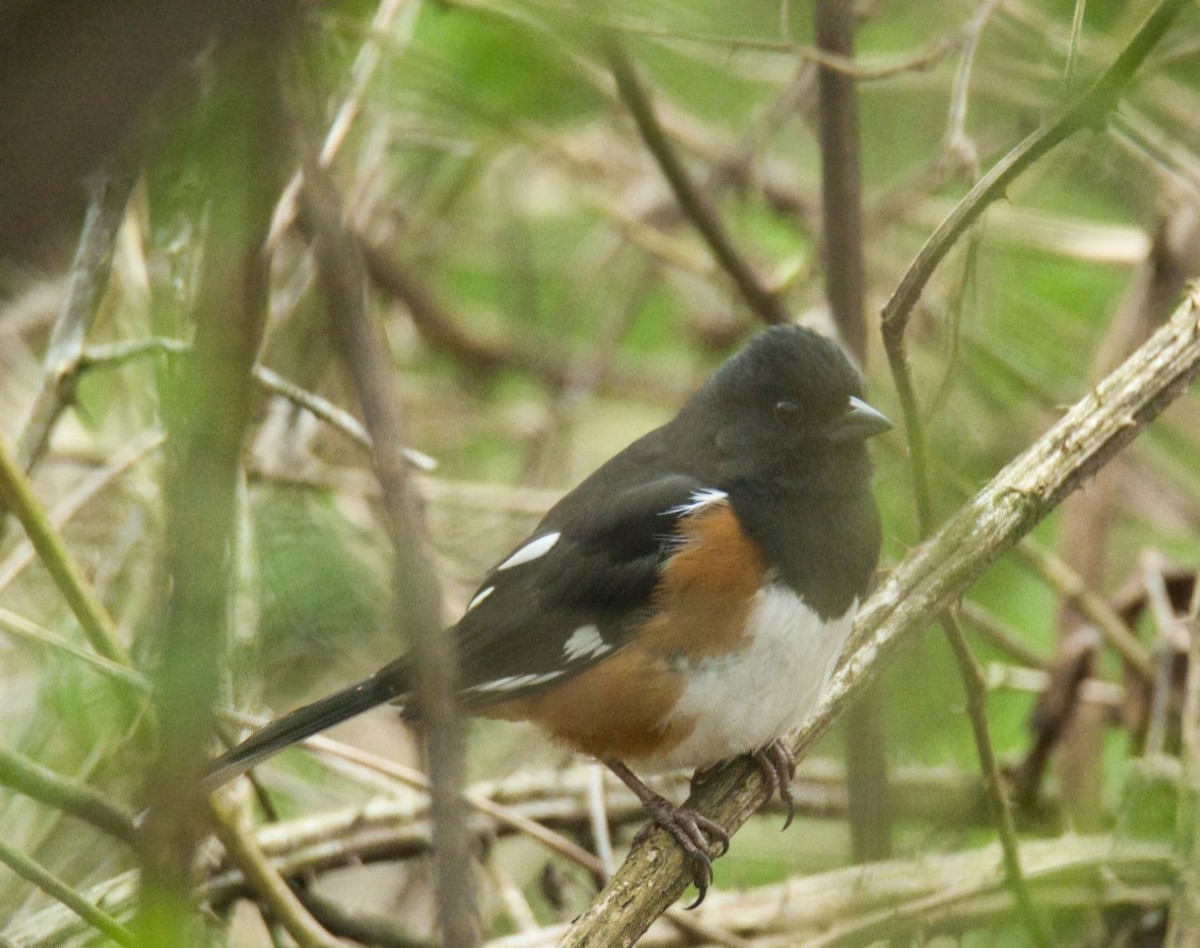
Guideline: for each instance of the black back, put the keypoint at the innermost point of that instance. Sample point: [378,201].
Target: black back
[760,431]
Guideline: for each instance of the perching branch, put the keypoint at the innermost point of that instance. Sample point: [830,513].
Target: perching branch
[935,575]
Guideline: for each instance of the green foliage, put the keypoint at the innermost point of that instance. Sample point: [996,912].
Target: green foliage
[490,158]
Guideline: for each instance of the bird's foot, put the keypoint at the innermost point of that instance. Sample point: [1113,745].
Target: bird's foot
[778,769]
[694,833]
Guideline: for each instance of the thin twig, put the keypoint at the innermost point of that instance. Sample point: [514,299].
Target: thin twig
[959,146]
[21,628]
[117,354]
[97,625]
[243,850]
[767,304]
[134,450]
[54,887]
[1108,694]
[366,62]
[88,281]
[999,635]
[365,928]
[443,331]
[79,800]
[1076,36]
[364,349]
[976,693]
[961,150]
[1089,111]
[1075,592]
[501,814]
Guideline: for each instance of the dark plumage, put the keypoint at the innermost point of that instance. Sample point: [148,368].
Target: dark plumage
[721,553]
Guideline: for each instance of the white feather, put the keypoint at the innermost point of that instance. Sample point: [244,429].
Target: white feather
[513,682]
[743,701]
[479,597]
[584,643]
[698,500]
[538,546]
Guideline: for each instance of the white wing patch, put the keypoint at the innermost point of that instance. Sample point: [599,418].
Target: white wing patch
[698,500]
[513,682]
[479,597]
[584,643]
[538,546]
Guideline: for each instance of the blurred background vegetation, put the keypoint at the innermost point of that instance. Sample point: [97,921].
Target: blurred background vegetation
[545,301]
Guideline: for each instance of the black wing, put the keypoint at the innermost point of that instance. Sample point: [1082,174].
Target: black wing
[572,593]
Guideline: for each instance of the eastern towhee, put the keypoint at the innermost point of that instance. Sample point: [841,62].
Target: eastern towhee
[685,603]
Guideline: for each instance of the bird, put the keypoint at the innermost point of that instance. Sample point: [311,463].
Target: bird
[686,603]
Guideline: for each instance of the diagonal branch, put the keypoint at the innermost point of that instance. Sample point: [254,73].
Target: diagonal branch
[935,575]
[764,301]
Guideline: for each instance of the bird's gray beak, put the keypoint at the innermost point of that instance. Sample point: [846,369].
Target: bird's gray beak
[859,423]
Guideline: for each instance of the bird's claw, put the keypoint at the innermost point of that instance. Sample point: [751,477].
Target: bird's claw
[694,833]
[778,769]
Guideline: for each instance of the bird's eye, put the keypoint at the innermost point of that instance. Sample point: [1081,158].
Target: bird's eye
[787,413]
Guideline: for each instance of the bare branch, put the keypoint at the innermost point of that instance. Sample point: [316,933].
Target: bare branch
[419,618]
[765,302]
[86,285]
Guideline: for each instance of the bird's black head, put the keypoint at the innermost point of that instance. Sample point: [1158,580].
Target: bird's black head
[782,429]
[790,403]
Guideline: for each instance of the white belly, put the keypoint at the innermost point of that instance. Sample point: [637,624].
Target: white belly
[744,701]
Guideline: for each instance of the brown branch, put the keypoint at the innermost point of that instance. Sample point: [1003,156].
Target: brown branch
[85,288]
[418,619]
[442,331]
[841,187]
[766,303]
[842,250]
[935,575]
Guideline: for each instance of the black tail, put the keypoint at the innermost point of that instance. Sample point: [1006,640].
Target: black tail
[385,685]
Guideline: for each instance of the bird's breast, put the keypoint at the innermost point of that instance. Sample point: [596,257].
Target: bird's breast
[737,702]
